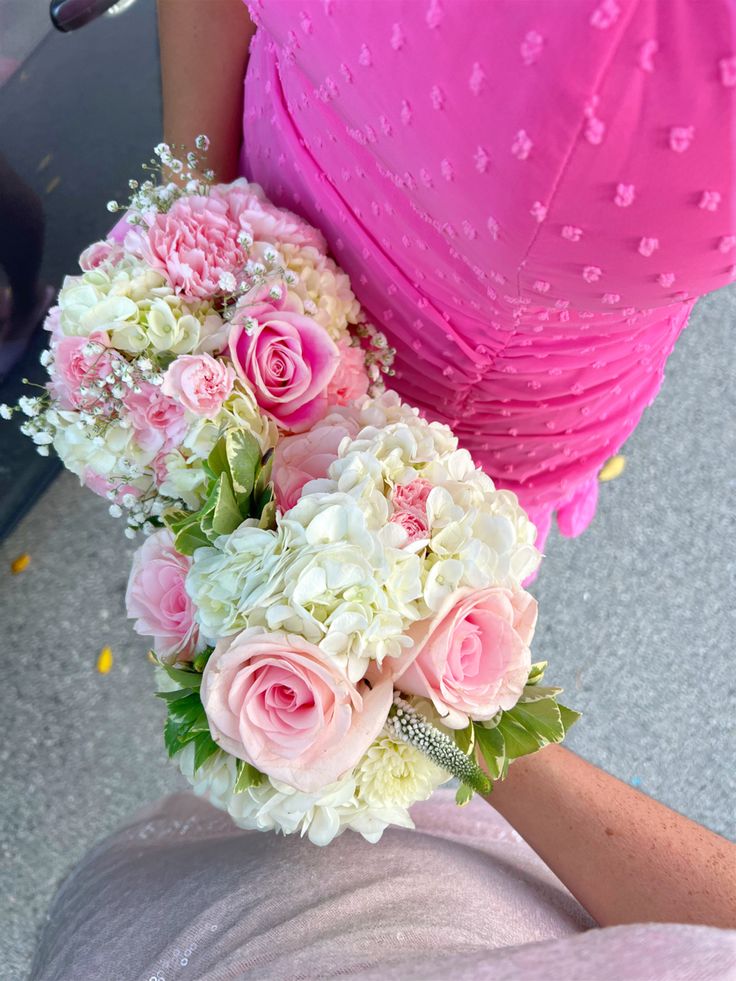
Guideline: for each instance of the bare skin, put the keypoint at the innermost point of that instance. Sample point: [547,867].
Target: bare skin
[625,857]
[205,94]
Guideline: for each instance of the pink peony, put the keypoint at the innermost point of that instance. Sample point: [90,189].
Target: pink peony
[199,383]
[304,457]
[473,657]
[158,421]
[410,508]
[194,244]
[73,368]
[350,381]
[248,206]
[157,599]
[276,701]
[288,360]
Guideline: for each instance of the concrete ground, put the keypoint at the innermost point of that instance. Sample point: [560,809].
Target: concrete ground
[637,621]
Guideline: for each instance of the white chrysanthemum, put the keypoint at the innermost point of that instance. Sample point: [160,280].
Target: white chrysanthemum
[396,774]
[322,289]
[335,578]
[229,582]
[106,453]
[139,310]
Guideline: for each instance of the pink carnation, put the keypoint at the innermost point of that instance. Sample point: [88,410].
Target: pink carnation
[73,368]
[102,486]
[194,244]
[288,361]
[248,206]
[304,457]
[157,599]
[350,381]
[199,382]
[276,701]
[158,421]
[473,657]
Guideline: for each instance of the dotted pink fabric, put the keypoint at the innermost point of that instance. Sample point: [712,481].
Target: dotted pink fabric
[528,197]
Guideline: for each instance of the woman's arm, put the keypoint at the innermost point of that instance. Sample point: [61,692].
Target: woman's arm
[626,858]
[204,52]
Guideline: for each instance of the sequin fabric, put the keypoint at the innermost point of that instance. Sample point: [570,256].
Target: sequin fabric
[528,198]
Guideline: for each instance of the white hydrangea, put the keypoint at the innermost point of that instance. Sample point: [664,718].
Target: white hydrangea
[185,480]
[227,583]
[139,310]
[321,288]
[275,806]
[339,587]
[112,452]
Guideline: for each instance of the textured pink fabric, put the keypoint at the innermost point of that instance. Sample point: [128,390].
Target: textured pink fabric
[527,196]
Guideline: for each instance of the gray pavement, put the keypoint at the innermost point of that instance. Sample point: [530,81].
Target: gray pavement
[637,620]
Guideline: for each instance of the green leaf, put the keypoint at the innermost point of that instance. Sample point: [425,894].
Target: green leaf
[183,677]
[263,475]
[541,718]
[217,460]
[174,696]
[204,748]
[569,716]
[175,517]
[176,735]
[248,776]
[201,659]
[517,739]
[226,516]
[243,457]
[189,539]
[268,516]
[186,709]
[464,795]
[464,738]
[535,693]
[536,672]
[492,747]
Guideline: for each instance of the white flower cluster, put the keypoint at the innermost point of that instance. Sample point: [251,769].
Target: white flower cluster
[386,782]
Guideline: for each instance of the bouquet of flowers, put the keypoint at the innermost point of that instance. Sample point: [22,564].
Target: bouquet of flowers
[333,589]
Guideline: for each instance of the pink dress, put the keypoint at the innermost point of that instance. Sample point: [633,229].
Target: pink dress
[528,197]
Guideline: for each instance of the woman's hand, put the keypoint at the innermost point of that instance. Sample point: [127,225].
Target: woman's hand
[625,857]
[204,53]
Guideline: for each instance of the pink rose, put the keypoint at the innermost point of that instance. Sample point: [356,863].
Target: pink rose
[276,701]
[249,207]
[304,457]
[288,360]
[410,508]
[73,368]
[473,657]
[350,381]
[194,244]
[199,382]
[157,599]
[97,253]
[158,421]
